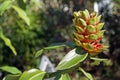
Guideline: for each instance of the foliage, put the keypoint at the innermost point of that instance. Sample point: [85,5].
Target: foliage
[27,31]
[10,69]
[7,42]
[88,75]
[34,24]
[32,74]
[29,25]
[71,61]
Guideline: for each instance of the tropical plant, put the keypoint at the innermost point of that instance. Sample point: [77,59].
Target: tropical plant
[87,35]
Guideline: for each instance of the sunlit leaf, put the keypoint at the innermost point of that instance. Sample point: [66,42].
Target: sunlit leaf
[69,44]
[72,59]
[64,77]
[7,42]
[11,77]
[98,59]
[88,75]
[5,5]
[33,74]
[10,69]
[55,46]
[95,63]
[25,1]
[38,53]
[47,48]
[22,14]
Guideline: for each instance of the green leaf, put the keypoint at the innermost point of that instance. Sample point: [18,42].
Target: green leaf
[95,63]
[33,74]
[47,48]
[72,59]
[7,42]
[25,1]
[69,44]
[5,5]
[88,75]
[64,77]
[38,53]
[10,69]
[11,77]
[98,59]
[22,14]
[57,77]
[55,46]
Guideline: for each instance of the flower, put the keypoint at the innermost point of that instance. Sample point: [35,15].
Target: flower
[88,32]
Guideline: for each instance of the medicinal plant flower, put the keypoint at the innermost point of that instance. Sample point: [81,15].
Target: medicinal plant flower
[88,31]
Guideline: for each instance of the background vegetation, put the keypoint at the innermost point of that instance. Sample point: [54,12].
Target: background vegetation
[43,22]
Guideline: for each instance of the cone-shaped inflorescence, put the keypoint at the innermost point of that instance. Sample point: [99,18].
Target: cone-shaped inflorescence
[88,33]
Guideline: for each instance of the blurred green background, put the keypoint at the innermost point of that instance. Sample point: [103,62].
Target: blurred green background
[50,21]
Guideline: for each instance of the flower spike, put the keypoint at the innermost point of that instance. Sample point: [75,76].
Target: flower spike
[88,32]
